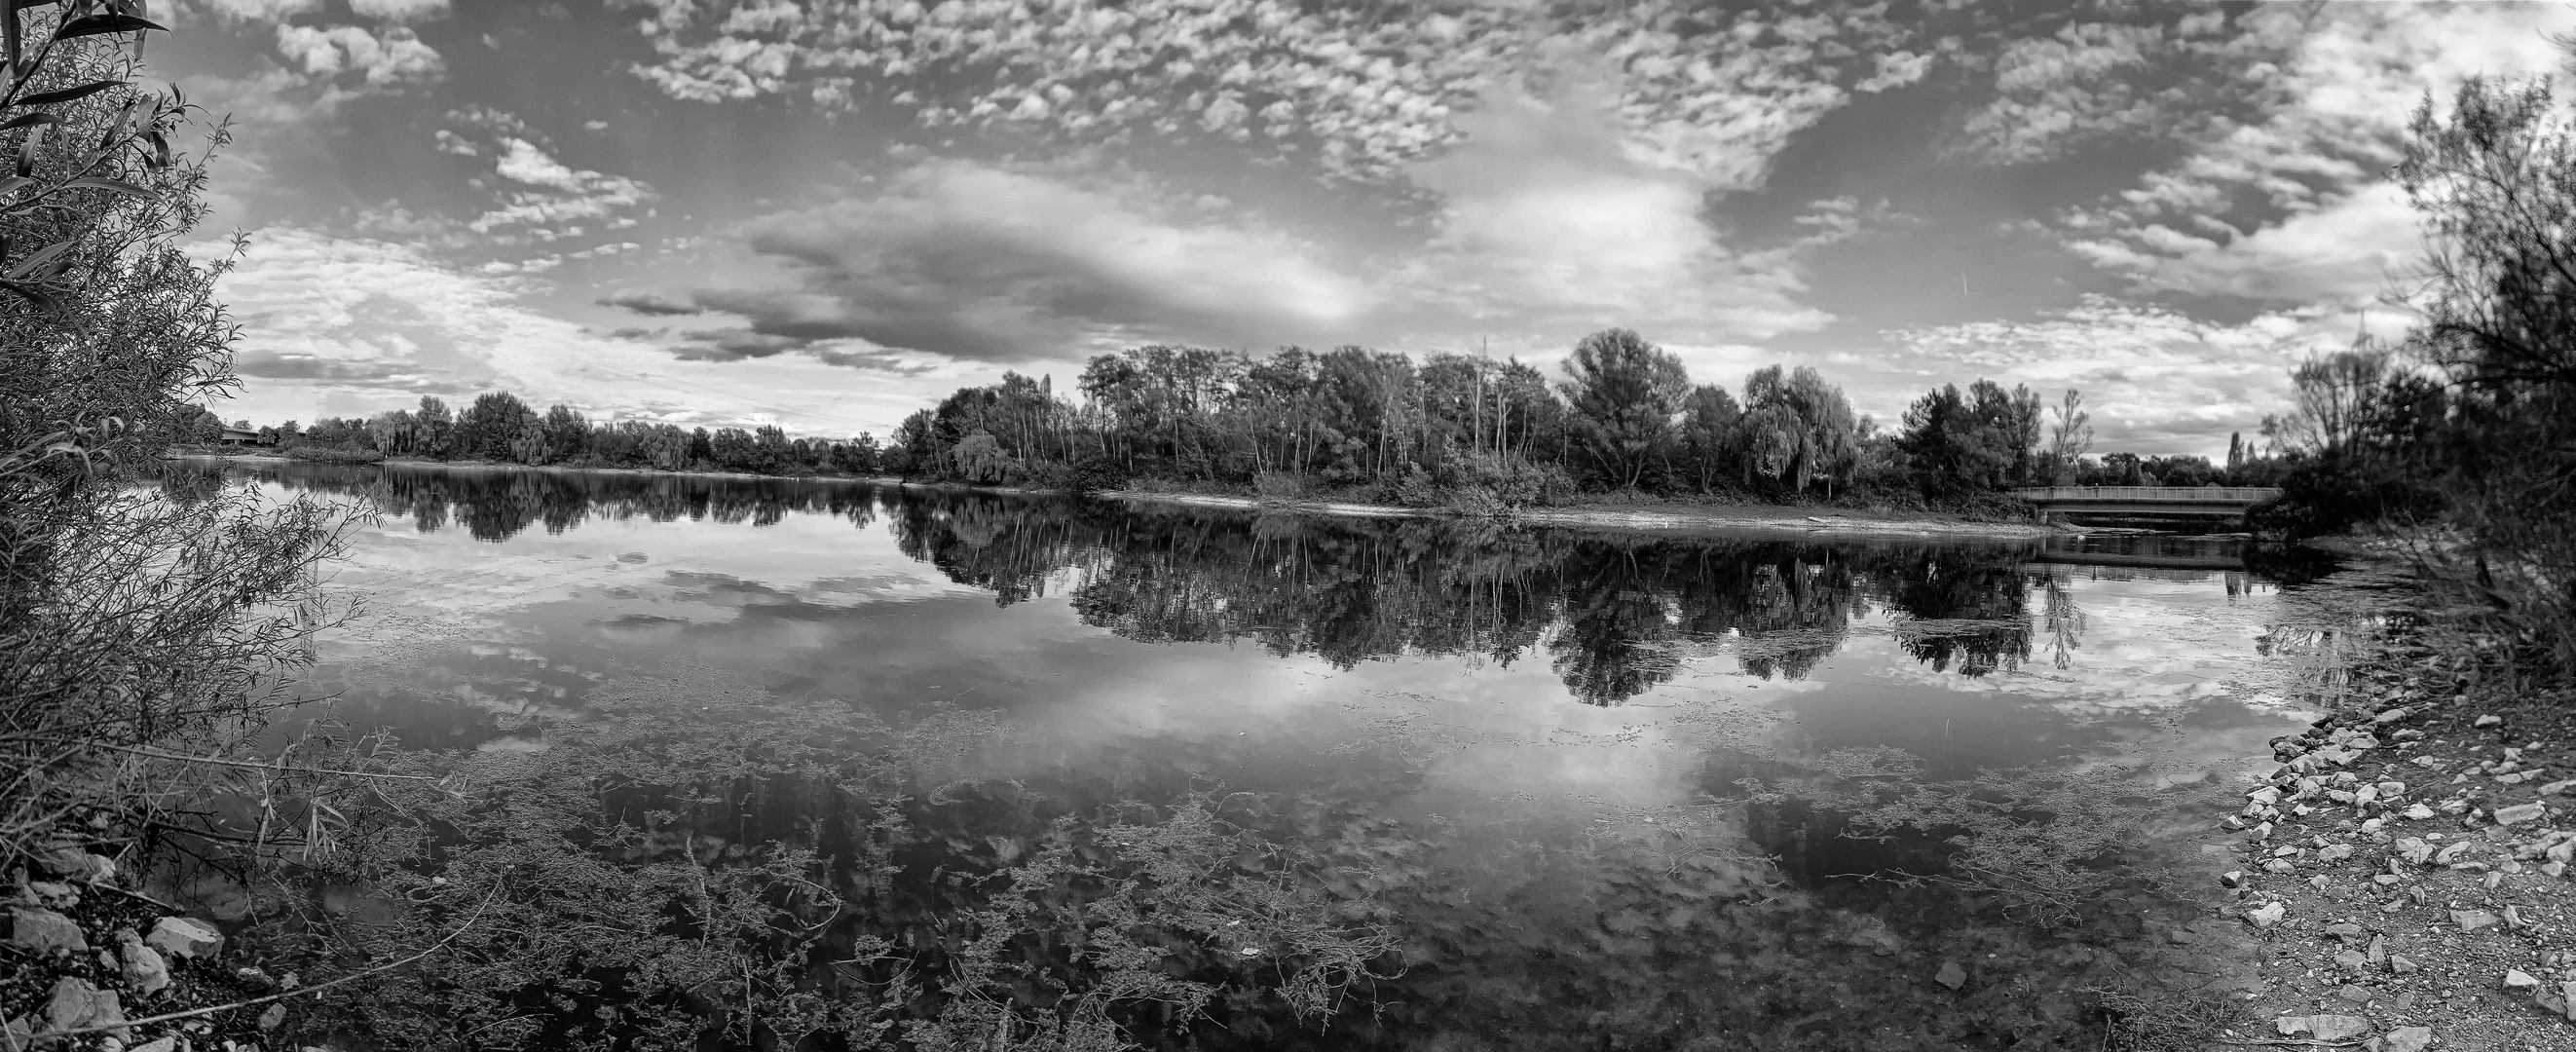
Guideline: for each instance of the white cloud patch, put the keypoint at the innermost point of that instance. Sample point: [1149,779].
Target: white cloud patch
[2314,164]
[403,11]
[260,10]
[2156,381]
[548,200]
[1549,230]
[394,58]
[352,326]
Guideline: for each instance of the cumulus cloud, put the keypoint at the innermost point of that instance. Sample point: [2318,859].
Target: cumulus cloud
[1547,229]
[982,263]
[396,57]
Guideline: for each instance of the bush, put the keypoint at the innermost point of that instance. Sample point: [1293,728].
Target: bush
[2321,497]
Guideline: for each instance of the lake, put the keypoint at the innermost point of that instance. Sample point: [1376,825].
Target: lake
[1563,788]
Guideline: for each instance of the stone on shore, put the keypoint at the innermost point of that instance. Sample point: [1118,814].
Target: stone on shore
[2517,979]
[2520,813]
[42,931]
[76,1004]
[2407,1039]
[2322,1027]
[2266,915]
[1951,975]
[2472,920]
[2483,722]
[144,970]
[185,938]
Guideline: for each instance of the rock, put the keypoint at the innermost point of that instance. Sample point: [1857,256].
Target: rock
[2360,995]
[185,938]
[2234,878]
[2512,913]
[144,970]
[76,1004]
[2266,915]
[2345,930]
[2352,961]
[271,1019]
[2407,1039]
[2322,1027]
[2378,951]
[43,931]
[2400,964]
[2556,788]
[2487,721]
[2392,715]
[2520,813]
[2472,920]
[1951,975]
[158,1044]
[2517,979]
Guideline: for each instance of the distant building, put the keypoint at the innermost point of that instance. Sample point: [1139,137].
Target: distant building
[240,436]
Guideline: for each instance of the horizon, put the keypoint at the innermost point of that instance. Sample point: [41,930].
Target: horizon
[825,217]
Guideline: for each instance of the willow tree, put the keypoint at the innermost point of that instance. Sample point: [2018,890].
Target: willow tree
[136,623]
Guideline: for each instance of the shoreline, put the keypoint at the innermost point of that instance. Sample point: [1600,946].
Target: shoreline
[1685,519]
[2402,872]
[1775,517]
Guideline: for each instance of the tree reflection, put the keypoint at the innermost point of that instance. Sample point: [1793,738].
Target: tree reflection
[1615,614]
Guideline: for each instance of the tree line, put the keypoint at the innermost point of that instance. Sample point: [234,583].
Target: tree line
[1623,415]
[1453,429]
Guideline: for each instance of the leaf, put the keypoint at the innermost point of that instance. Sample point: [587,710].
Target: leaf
[38,258]
[27,150]
[27,119]
[12,185]
[106,24]
[42,98]
[112,185]
[98,24]
[32,294]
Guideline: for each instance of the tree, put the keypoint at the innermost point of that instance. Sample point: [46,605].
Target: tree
[567,433]
[488,427]
[1710,420]
[1624,393]
[2070,436]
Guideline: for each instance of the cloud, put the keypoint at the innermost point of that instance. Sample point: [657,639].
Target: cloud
[347,326]
[261,10]
[400,10]
[2293,203]
[2181,75]
[1362,89]
[982,263]
[396,58]
[551,200]
[2155,379]
[1547,230]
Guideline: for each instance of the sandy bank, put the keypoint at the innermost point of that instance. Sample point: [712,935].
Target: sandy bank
[1672,520]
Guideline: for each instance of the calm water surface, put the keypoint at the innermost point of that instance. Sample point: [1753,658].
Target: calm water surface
[1624,767]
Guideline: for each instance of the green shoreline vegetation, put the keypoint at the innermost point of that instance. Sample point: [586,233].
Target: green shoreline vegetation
[636,887]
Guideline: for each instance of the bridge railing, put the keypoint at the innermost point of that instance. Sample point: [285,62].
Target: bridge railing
[2149,494]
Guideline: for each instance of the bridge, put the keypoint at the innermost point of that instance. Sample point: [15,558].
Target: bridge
[2223,501]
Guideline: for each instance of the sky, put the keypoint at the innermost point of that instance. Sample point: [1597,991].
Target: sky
[827,213]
